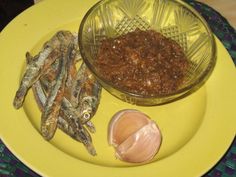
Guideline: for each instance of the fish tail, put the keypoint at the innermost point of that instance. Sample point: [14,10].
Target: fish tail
[90,148]
[48,127]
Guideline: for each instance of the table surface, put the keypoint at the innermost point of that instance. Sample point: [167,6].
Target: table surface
[226,7]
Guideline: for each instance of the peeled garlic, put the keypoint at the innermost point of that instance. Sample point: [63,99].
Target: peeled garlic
[135,137]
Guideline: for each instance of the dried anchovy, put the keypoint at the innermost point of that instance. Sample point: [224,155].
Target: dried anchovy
[67,119]
[34,70]
[38,65]
[52,74]
[52,106]
[86,94]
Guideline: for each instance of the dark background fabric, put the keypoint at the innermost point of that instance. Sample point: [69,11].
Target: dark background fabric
[11,8]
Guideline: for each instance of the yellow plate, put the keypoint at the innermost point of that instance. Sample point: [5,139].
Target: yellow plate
[197,130]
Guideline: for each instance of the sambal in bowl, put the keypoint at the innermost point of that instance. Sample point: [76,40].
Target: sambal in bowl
[147,52]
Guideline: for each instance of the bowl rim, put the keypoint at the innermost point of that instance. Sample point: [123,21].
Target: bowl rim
[181,92]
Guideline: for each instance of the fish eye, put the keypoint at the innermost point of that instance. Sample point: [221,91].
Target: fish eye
[86,116]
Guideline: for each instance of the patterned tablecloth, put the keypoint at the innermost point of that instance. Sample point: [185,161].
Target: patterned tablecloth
[226,167]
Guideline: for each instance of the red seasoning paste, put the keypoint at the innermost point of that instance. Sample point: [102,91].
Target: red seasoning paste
[142,62]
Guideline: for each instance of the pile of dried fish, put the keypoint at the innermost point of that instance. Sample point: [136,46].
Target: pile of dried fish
[67,98]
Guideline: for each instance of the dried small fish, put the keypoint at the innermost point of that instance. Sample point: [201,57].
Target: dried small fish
[34,69]
[53,76]
[86,139]
[77,51]
[81,134]
[67,119]
[72,71]
[39,95]
[41,98]
[85,83]
[61,37]
[86,93]
[49,77]
[46,86]
[38,65]
[52,106]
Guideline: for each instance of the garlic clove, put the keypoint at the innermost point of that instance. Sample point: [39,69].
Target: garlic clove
[135,137]
[141,146]
[125,123]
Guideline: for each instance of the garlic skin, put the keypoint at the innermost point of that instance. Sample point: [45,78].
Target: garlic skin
[135,137]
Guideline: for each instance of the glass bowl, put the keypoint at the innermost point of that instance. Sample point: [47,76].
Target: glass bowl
[172,18]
